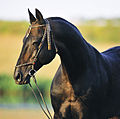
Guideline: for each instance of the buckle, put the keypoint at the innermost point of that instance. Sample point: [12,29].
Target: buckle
[32,72]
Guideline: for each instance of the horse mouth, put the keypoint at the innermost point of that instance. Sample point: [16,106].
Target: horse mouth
[22,81]
[21,78]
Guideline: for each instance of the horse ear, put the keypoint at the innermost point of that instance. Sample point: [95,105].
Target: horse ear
[31,16]
[39,16]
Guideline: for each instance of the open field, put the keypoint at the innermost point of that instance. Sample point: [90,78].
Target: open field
[101,36]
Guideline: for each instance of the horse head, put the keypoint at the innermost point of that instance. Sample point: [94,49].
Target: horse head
[38,48]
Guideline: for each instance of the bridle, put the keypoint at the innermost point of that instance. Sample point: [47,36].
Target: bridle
[33,71]
[46,33]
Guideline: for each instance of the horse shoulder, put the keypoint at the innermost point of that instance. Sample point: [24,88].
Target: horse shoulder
[61,89]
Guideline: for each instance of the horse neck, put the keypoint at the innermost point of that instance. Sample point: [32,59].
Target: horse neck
[75,53]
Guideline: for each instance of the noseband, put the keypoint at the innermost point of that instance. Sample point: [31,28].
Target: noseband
[46,33]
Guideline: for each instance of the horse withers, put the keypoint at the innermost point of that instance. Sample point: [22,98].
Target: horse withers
[87,83]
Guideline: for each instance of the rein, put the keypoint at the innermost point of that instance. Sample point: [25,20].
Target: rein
[48,115]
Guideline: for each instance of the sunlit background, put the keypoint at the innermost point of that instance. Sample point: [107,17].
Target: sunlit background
[98,21]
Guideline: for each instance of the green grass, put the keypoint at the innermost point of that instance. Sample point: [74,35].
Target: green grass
[13,93]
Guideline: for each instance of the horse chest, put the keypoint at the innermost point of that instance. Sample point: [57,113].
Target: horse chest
[62,90]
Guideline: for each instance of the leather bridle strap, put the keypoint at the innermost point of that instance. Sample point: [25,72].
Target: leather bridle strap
[46,32]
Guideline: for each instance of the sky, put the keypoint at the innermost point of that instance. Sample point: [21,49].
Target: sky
[68,9]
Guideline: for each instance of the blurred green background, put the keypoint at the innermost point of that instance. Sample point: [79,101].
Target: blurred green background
[98,22]
[101,33]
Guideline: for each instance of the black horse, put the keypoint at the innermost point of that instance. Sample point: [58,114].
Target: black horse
[87,83]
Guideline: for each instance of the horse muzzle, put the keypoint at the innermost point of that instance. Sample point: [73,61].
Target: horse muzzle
[19,79]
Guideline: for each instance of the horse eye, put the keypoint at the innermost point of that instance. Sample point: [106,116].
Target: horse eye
[36,43]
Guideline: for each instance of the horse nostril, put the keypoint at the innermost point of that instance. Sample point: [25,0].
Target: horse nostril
[18,77]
